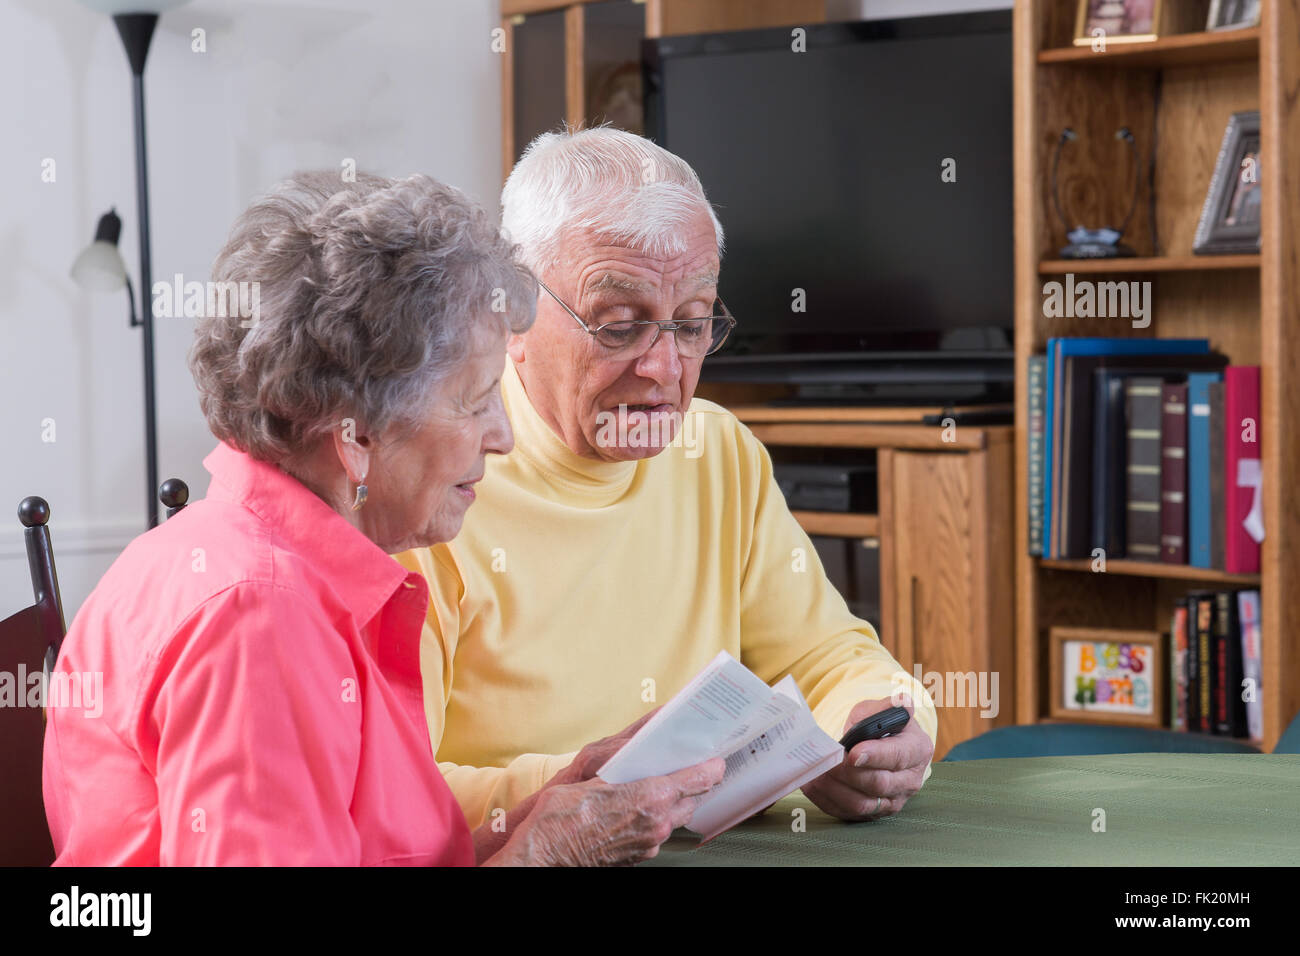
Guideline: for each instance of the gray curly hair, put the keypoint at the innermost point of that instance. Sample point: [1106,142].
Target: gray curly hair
[370,293]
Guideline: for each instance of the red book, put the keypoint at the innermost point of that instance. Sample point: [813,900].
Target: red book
[1241,477]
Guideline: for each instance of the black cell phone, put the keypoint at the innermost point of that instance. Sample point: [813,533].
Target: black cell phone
[884,724]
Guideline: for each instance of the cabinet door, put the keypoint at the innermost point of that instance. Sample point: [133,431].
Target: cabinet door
[951,571]
[612,32]
[536,65]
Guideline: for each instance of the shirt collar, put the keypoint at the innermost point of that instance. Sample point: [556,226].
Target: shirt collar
[535,440]
[352,565]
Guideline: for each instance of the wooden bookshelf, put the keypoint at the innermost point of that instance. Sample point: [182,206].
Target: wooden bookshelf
[1149,264]
[1152,569]
[1178,93]
[1182,49]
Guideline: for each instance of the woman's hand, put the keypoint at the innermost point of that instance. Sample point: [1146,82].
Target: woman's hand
[594,823]
[593,756]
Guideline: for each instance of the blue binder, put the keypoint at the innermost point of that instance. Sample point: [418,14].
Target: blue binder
[1198,467]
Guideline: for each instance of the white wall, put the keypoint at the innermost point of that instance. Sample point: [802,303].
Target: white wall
[401,86]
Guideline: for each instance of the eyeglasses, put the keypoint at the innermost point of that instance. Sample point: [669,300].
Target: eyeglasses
[632,338]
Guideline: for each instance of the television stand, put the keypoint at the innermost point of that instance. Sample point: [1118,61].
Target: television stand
[943,525]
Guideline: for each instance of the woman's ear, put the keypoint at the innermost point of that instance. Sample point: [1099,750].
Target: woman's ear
[353,451]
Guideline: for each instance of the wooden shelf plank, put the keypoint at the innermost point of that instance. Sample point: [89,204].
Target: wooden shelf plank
[840,435]
[864,414]
[1152,569]
[1178,50]
[839,524]
[1149,264]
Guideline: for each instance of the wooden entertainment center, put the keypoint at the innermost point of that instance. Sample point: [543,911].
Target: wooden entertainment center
[944,527]
[960,592]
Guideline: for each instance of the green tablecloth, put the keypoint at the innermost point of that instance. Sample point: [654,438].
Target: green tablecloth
[1160,810]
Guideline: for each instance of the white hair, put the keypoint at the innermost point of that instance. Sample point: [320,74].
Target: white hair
[619,185]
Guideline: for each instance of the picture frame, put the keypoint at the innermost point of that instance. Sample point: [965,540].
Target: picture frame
[1108,676]
[1232,15]
[1230,218]
[1123,21]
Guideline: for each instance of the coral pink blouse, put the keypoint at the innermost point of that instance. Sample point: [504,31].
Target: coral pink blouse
[261,700]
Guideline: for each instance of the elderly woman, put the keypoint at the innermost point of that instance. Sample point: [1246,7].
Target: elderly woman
[260,651]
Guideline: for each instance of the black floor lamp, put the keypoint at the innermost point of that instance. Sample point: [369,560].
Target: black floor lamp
[94,268]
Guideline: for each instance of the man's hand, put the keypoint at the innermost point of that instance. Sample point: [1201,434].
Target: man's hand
[876,777]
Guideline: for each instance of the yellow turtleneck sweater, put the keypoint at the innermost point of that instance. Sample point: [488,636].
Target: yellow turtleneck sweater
[581,594]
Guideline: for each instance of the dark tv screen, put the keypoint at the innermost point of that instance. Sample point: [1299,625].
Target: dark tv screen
[826,168]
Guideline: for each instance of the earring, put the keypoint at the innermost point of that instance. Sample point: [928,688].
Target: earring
[362,493]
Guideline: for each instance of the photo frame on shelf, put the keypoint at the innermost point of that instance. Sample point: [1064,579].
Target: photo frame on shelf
[1233,14]
[1230,218]
[1108,676]
[1117,21]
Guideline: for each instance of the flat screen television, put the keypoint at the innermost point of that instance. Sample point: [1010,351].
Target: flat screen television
[865,189]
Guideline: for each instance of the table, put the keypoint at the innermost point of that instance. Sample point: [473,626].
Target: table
[1159,810]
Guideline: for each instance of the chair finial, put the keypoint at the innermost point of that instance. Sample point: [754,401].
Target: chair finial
[33,511]
[174,493]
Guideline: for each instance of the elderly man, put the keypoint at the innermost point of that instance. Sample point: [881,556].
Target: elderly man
[632,533]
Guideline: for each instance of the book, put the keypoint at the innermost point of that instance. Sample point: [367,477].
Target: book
[1109,445]
[1241,470]
[768,736]
[1076,471]
[1173,473]
[1037,388]
[1201,678]
[1142,502]
[1229,708]
[1178,668]
[1198,467]
[1217,527]
[1248,618]
[1109,456]
[1193,668]
[1057,350]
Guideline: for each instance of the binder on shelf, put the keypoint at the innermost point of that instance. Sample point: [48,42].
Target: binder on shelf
[1198,467]
[1173,473]
[1058,349]
[1241,477]
[1142,505]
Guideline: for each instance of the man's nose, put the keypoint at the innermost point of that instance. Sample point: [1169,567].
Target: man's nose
[662,362]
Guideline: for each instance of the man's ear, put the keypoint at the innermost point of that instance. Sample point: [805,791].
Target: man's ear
[354,454]
[515,349]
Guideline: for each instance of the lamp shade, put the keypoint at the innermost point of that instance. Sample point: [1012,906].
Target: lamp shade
[100,268]
[114,7]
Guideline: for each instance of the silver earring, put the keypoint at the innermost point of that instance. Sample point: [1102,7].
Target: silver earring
[362,493]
